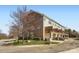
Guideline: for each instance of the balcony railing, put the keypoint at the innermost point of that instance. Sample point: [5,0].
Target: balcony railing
[57,30]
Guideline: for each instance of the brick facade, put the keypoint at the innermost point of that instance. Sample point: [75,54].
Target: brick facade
[35,24]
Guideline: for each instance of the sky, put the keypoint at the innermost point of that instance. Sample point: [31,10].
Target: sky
[66,15]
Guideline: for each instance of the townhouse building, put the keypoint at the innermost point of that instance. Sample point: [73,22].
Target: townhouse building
[43,27]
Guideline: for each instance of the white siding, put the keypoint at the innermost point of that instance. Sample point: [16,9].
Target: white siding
[53,24]
[46,22]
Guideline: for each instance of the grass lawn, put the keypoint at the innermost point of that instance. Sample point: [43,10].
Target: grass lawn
[31,42]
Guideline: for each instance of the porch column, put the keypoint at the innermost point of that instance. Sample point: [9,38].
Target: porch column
[50,37]
[43,33]
[58,36]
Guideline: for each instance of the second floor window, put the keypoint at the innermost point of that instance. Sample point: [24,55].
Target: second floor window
[49,22]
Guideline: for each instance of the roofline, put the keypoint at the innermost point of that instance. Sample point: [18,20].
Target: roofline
[54,21]
[47,17]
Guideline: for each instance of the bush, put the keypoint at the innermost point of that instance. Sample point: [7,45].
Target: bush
[58,39]
[54,42]
[77,39]
[20,38]
[61,38]
[36,39]
[47,42]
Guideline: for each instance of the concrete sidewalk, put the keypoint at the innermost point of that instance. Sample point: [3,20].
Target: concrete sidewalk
[76,50]
[25,49]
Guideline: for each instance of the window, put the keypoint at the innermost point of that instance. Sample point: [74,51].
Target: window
[49,22]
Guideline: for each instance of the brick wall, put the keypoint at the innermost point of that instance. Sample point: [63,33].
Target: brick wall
[34,24]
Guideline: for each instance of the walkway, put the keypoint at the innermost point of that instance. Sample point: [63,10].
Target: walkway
[76,50]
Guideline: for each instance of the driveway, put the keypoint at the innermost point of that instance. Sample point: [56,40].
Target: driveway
[5,41]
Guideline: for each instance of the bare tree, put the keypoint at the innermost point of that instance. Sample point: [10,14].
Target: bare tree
[13,33]
[19,22]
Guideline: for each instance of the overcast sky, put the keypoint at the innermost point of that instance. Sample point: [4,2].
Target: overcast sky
[67,16]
